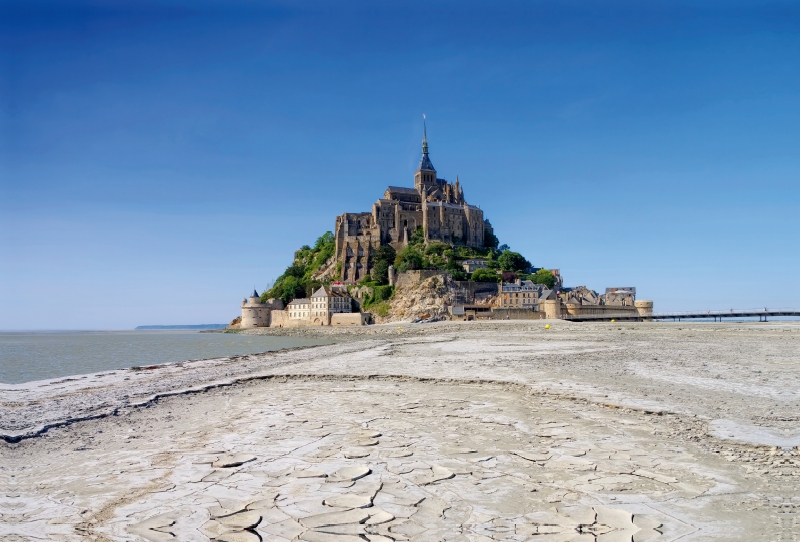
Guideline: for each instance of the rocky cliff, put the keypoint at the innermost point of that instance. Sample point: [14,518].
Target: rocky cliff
[424,298]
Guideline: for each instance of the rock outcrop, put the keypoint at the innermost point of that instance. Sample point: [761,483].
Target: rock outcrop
[426,298]
[235,323]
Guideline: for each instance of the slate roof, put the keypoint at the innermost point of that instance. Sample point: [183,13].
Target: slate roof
[403,190]
[547,294]
[300,301]
[330,292]
[425,163]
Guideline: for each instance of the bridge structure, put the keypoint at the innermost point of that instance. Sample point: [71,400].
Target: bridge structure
[630,316]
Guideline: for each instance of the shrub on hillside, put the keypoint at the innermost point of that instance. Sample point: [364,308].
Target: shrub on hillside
[296,280]
[510,261]
[545,277]
[485,275]
[383,257]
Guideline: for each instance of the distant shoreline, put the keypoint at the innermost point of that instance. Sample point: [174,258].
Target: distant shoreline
[188,326]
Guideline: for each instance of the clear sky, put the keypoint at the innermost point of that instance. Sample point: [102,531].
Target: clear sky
[160,159]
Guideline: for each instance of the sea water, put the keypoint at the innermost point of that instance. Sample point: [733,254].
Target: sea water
[27,356]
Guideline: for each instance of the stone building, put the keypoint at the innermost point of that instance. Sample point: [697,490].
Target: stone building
[327,301]
[521,294]
[470,266]
[434,204]
[299,309]
[320,308]
[620,297]
[258,314]
[329,305]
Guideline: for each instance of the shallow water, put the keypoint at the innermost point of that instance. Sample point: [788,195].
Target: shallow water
[27,356]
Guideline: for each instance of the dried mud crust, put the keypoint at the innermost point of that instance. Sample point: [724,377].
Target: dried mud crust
[744,373]
[311,458]
[504,431]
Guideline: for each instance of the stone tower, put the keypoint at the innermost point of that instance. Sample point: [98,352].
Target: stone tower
[436,206]
[258,314]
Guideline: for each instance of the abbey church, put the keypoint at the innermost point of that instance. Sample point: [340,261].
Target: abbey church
[434,204]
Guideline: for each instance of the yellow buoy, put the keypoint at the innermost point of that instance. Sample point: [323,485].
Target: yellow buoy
[547,326]
[612,320]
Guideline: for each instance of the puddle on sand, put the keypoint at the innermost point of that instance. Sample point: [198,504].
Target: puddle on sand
[754,434]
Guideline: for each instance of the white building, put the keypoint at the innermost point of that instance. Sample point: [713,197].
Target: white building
[329,300]
[299,309]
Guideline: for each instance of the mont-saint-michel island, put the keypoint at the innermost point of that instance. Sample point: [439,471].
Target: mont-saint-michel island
[249,292]
[423,254]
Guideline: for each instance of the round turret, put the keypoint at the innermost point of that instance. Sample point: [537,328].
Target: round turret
[255,313]
[644,308]
[552,308]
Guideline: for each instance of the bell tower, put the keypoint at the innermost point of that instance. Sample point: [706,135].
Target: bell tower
[425,176]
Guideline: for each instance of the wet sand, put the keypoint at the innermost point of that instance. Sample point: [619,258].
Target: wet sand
[449,431]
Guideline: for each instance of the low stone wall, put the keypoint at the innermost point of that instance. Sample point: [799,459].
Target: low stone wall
[499,313]
[279,319]
[598,310]
[410,278]
[350,319]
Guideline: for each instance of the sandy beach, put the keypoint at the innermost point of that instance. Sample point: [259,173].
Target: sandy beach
[447,431]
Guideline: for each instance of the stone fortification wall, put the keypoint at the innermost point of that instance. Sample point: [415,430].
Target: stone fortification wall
[257,316]
[499,313]
[350,319]
[476,292]
[598,310]
[553,309]
[279,319]
[644,307]
[411,278]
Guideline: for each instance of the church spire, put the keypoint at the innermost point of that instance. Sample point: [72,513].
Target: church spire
[424,136]
[425,163]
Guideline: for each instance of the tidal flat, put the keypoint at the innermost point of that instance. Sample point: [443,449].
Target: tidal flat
[468,431]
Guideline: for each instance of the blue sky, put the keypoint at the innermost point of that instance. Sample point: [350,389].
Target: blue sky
[159,159]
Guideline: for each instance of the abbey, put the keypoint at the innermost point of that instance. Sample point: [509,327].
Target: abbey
[434,204]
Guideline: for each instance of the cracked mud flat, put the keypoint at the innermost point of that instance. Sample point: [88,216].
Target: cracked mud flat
[452,432]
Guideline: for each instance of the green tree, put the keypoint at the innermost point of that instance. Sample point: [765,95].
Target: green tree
[458,273]
[418,237]
[296,281]
[545,277]
[383,257]
[438,248]
[512,261]
[295,270]
[290,288]
[409,258]
[490,240]
[485,275]
[324,240]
